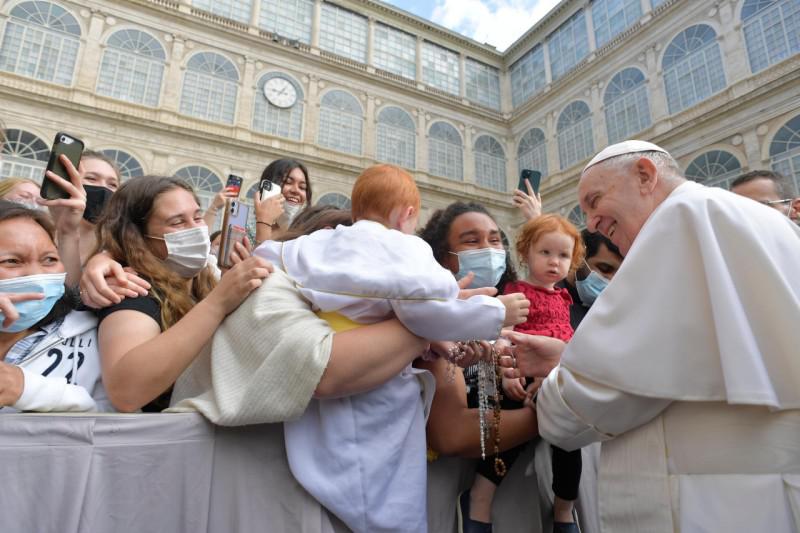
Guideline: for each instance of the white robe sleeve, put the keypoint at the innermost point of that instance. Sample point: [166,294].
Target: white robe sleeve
[476,318]
[574,411]
[52,394]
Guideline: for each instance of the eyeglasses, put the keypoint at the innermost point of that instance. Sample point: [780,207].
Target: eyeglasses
[775,202]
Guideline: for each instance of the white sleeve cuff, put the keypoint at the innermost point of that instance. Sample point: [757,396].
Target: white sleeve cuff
[41,393]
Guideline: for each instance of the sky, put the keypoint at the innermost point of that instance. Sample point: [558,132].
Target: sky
[496,22]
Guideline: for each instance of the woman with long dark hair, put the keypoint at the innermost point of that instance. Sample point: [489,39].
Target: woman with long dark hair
[274,215]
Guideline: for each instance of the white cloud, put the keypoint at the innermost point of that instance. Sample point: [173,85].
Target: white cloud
[497,22]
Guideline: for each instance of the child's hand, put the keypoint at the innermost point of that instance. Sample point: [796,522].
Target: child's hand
[514,388]
[530,390]
[517,307]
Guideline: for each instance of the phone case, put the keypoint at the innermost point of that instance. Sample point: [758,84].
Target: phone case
[235,234]
[70,146]
[268,189]
[533,176]
[234,182]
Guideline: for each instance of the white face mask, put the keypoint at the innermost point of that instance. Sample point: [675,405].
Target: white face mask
[187,250]
[290,211]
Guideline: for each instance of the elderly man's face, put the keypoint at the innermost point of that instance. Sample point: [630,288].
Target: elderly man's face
[618,201]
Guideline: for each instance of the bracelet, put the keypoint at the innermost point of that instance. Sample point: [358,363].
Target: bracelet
[264,223]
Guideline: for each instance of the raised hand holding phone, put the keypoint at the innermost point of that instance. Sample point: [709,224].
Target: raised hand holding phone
[71,148]
[526,198]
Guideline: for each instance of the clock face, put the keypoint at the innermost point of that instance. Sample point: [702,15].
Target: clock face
[280,92]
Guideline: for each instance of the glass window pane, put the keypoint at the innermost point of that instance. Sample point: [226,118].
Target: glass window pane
[528,76]
[343,32]
[23,155]
[233,9]
[129,166]
[210,87]
[335,199]
[575,139]
[340,122]
[395,51]
[771,31]
[784,151]
[568,45]
[396,138]
[532,151]
[132,68]
[289,18]
[440,68]
[612,17]
[445,151]
[282,122]
[483,84]
[490,163]
[205,182]
[692,68]
[626,105]
[716,168]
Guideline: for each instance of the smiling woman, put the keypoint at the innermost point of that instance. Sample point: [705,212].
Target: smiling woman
[274,215]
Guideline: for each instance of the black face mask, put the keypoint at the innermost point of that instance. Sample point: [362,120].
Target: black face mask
[96,200]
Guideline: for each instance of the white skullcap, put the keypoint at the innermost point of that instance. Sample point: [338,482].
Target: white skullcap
[625,147]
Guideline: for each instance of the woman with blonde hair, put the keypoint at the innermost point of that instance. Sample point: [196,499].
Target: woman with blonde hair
[21,191]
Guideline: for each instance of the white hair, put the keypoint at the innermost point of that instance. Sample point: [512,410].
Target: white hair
[668,169]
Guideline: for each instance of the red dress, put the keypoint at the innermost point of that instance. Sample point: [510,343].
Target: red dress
[549,312]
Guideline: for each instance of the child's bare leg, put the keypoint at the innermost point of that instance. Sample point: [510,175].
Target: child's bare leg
[562,510]
[481,496]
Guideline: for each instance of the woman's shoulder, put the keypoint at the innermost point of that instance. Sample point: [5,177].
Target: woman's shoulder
[148,305]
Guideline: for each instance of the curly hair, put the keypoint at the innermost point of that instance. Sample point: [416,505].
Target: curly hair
[534,229]
[437,231]
[121,232]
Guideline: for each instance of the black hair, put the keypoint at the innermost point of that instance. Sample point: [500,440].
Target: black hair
[782,187]
[592,241]
[437,230]
[279,170]
[214,235]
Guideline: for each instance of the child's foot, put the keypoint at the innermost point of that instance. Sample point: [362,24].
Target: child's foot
[465,523]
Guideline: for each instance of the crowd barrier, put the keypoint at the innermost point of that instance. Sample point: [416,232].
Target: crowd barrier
[172,473]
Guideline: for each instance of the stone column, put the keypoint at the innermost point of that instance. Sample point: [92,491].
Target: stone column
[598,117]
[246,94]
[548,74]
[419,60]
[732,46]
[173,77]
[92,53]
[551,137]
[462,75]
[506,97]
[655,85]
[370,40]
[587,14]
[312,110]
[422,139]
[255,14]
[469,156]
[315,24]
[751,146]
[370,128]
[647,7]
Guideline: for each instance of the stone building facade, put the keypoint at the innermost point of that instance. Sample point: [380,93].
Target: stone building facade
[202,88]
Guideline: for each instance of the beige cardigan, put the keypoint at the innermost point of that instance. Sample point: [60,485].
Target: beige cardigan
[263,363]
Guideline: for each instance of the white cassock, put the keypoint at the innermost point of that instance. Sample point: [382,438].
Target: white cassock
[688,368]
[364,456]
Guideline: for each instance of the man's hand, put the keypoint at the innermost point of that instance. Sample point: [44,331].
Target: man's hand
[531,355]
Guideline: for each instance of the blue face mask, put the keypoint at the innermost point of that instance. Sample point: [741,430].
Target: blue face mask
[591,287]
[488,265]
[32,311]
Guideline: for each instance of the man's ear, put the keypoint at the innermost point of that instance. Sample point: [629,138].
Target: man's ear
[646,174]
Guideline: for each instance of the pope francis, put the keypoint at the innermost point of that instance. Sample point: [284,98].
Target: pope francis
[687,367]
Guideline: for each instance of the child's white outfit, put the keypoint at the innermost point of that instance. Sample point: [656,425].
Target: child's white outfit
[364,456]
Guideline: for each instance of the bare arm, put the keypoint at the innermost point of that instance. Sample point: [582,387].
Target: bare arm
[453,427]
[363,358]
[139,362]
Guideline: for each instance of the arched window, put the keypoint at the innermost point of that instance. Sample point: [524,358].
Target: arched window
[692,67]
[340,122]
[627,109]
[575,141]
[335,199]
[132,68]
[490,163]
[129,166]
[209,88]
[445,151]
[532,151]
[716,168]
[397,137]
[280,121]
[233,9]
[41,41]
[24,155]
[204,182]
[771,31]
[784,152]
[612,17]
[577,217]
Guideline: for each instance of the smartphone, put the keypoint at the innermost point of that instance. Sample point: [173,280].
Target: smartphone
[234,234]
[236,215]
[234,184]
[533,176]
[70,146]
[268,189]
